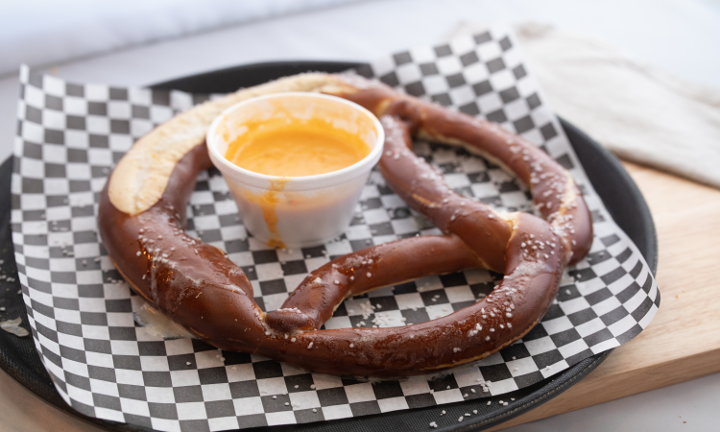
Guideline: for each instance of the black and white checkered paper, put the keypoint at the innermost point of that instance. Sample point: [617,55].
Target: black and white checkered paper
[106,366]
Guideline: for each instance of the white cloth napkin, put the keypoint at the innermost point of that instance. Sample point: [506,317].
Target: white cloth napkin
[44,32]
[638,112]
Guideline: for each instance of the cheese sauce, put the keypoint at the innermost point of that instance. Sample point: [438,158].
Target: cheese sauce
[296,149]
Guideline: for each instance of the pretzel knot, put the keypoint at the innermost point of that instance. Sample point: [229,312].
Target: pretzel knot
[142,219]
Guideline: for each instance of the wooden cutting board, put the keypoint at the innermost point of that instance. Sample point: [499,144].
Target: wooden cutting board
[683,341]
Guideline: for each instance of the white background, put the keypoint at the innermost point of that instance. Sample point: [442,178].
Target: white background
[681,37]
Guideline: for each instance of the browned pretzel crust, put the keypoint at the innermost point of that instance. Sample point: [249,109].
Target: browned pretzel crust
[201,289]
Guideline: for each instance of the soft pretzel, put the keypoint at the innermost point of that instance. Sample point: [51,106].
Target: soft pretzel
[142,215]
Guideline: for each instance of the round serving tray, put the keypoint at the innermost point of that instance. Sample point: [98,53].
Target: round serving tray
[617,190]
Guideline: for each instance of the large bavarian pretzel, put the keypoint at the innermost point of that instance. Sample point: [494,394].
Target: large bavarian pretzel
[142,215]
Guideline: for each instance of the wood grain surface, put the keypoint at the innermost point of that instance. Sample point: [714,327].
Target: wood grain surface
[681,343]
[683,340]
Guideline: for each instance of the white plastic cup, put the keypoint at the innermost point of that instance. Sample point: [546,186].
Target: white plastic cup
[310,210]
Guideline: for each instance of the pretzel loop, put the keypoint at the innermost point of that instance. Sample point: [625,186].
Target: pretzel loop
[201,289]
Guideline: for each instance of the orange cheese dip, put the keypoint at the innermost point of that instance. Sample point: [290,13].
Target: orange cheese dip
[296,149]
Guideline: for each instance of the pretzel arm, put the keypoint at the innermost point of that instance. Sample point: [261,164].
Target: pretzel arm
[485,231]
[506,314]
[555,194]
[315,299]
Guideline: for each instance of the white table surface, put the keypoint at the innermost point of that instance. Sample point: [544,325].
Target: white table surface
[681,37]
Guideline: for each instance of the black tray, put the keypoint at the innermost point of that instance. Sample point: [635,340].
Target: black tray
[619,193]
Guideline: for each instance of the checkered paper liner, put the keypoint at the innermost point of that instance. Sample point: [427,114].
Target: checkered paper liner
[105,365]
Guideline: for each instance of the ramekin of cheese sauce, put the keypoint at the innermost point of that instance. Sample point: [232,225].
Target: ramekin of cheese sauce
[296,164]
